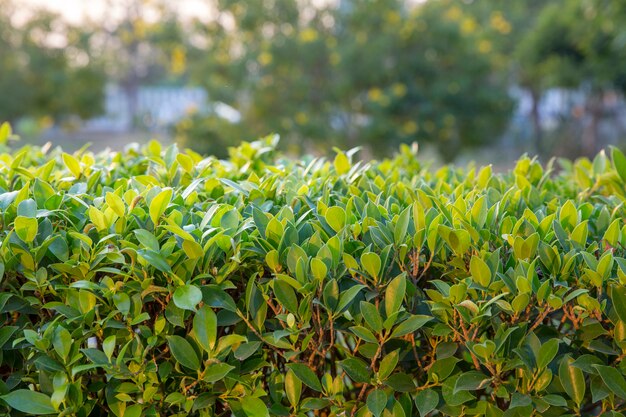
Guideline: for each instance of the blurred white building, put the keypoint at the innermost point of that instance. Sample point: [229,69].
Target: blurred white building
[157,107]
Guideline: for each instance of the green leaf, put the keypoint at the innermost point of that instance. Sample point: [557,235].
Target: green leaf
[155,259]
[371,263]
[480,271]
[5,132]
[572,380]
[147,239]
[293,388]
[336,218]
[26,228]
[613,379]
[387,365]
[205,327]
[376,402]
[547,352]
[619,161]
[347,296]
[364,334]
[618,296]
[402,225]
[306,375]
[286,295]
[29,402]
[27,208]
[254,407]
[341,163]
[193,249]
[5,334]
[319,269]
[116,203]
[187,297]
[470,381]
[159,203]
[108,346]
[410,325]
[62,342]
[216,372]
[372,316]
[72,164]
[183,352]
[426,401]
[356,369]
[97,218]
[394,295]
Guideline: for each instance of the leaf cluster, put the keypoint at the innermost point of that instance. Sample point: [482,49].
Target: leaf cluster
[158,282]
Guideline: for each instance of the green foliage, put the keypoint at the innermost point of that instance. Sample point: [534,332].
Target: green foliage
[157,282]
[359,72]
[44,78]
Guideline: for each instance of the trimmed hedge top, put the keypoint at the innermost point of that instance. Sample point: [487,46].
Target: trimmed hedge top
[154,282]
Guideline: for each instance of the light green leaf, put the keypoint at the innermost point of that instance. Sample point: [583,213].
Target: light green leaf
[205,327]
[26,228]
[341,163]
[394,295]
[480,271]
[336,218]
[572,380]
[372,316]
[187,297]
[72,164]
[159,203]
[254,407]
[371,263]
[547,352]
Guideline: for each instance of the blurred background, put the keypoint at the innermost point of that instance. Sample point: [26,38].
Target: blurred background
[467,79]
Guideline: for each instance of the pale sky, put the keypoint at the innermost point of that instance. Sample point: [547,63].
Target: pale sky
[75,10]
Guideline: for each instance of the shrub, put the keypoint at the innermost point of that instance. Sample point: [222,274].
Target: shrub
[155,282]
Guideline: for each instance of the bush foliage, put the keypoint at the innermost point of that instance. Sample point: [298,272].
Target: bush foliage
[157,282]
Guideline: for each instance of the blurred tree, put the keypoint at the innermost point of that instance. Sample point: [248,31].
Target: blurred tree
[579,44]
[46,69]
[374,72]
[141,42]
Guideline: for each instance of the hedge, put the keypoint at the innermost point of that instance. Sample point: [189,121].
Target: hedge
[160,283]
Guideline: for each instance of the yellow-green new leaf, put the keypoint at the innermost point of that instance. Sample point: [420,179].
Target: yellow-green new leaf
[26,228]
[159,203]
[72,164]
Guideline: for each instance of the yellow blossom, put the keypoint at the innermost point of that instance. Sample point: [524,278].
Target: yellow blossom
[409,127]
[453,13]
[393,17]
[375,94]
[179,60]
[308,35]
[301,118]
[484,46]
[265,58]
[398,89]
[499,23]
[468,25]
